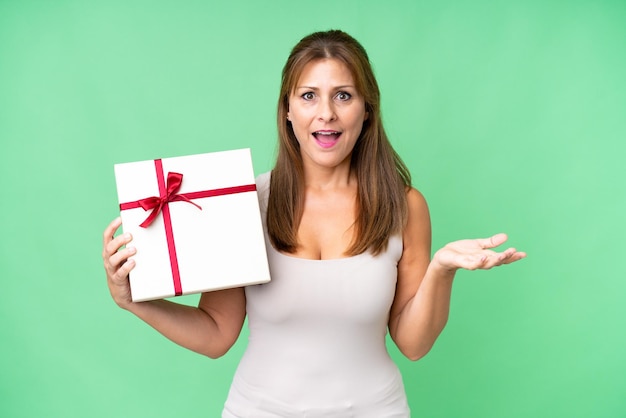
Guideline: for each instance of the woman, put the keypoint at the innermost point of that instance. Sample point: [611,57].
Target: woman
[348,243]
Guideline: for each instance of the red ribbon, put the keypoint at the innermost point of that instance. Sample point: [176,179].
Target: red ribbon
[167,194]
[174,180]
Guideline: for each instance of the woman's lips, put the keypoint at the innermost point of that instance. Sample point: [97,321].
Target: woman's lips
[326,139]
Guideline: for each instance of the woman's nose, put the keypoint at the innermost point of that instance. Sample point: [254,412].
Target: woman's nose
[326,111]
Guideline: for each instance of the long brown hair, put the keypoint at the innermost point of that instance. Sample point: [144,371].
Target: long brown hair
[382,177]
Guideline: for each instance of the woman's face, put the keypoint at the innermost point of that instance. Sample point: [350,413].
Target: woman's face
[326,114]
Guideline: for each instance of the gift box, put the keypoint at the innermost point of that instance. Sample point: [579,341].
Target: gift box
[195,222]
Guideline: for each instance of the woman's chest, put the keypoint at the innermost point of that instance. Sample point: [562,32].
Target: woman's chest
[327,226]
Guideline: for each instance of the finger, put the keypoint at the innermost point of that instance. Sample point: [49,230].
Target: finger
[505,257]
[493,241]
[120,257]
[489,259]
[116,243]
[121,275]
[507,253]
[515,257]
[109,231]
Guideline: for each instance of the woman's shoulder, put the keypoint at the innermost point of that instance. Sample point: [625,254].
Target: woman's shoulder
[416,200]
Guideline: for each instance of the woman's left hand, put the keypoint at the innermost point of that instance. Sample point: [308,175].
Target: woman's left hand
[472,254]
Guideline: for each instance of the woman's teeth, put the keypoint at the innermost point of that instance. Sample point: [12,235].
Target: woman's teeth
[330,135]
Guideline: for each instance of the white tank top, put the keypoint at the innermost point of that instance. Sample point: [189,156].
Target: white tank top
[317,340]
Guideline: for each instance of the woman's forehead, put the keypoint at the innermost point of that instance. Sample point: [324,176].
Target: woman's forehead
[325,71]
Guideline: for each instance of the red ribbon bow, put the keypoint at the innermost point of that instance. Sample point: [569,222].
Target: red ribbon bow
[156,203]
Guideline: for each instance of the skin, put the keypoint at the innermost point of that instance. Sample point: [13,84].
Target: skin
[324,99]
[209,329]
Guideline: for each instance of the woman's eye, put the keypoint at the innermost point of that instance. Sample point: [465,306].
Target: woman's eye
[342,95]
[308,96]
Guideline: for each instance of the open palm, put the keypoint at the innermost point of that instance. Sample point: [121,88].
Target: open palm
[472,254]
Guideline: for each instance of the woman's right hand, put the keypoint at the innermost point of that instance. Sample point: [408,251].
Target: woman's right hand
[210,329]
[116,263]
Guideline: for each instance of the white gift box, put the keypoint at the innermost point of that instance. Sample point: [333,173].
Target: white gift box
[205,231]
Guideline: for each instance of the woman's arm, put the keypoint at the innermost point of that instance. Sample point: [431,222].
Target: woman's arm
[209,329]
[422,302]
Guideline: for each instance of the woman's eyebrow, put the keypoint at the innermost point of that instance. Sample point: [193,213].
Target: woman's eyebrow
[317,88]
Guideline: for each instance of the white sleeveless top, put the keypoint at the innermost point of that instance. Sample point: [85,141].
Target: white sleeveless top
[316,345]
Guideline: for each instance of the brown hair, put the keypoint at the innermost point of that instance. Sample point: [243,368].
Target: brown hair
[382,177]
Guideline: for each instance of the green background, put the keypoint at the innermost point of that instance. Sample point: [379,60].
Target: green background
[510,115]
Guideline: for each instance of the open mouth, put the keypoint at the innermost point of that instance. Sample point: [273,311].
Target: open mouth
[326,139]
